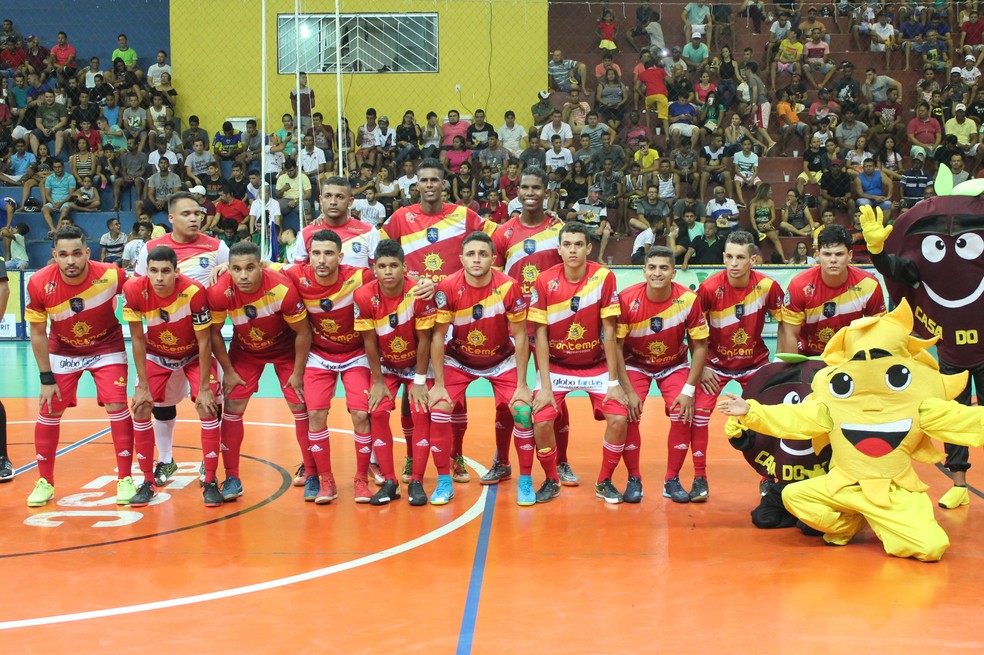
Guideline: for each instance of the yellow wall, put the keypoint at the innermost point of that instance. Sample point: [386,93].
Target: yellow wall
[215,53]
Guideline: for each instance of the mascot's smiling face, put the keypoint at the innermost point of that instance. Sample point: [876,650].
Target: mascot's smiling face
[877,378]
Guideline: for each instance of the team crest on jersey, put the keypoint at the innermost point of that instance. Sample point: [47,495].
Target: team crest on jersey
[739,311]
[203,262]
[250,312]
[575,303]
[441,300]
[477,312]
[76,304]
[829,309]
[326,304]
[394,320]
[432,235]
[165,316]
[656,324]
[529,246]
[356,247]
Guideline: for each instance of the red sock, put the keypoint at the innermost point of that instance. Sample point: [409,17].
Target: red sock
[699,435]
[677,444]
[320,453]
[408,425]
[562,432]
[301,427]
[211,446]
[419,442]
[232,442]
[441,438]
[548,460]
[46,433]
[503,432]
[611,455]
[525,447]
[143,441]
[459,425]
[631,455]
[363,451]
[382,444]
[121,427]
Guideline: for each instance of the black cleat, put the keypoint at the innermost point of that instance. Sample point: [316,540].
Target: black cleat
[416,494]
[144,495]
[549,490]
[389,491]
[212,495]
[633,490]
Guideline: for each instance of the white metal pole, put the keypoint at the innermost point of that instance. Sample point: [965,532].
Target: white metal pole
[297,109]
[338,88]
[263,123]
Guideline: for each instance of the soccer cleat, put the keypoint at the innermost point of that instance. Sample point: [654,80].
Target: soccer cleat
[362,493]
[525,496]
[698,492]
[607,492]
[164,471]
[146,493]
[389,491]
[125,490]
[6,469]
[312,487]
[566,475]
[458,471]
[211,495]
[328,491]
[407,470]
[444,492]
[232,489]
[377,475]
[549,490]
[416,494]
[673,490]
[633,490]
[498,473]
[954,498]
[300,476]
[43,492]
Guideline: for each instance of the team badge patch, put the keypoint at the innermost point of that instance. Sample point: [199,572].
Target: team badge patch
[203,262]
[830,309]
[739,311]
[356,247]
[477,312]
[432,235]
[441,300]
[656,323]
[575,303]
[529,246]
[77,304]
[250,312]
[165,316]
[394,320]
[326,304]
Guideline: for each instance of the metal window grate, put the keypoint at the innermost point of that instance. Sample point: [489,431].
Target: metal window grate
[370,43]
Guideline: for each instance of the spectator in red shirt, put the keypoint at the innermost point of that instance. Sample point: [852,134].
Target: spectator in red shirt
[972,37]
[12,59]
[498,210]
[924,132]
[63,58]
[228,206]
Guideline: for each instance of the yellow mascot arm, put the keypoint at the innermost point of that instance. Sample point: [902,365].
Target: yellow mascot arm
[873,229]
[803,422]
[951,422]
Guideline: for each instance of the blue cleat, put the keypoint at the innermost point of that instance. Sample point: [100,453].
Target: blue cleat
[525,496]
[312,487]
[232,489]
[444,492]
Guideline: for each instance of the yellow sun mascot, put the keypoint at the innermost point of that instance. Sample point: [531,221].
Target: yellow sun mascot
[878,403]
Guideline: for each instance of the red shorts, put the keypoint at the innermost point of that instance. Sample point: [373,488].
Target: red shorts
[740,376]
[160,370]
[670,386]
[593,381]
[321,379]
[394,379]
[250,366]
[108,371]
[503,377]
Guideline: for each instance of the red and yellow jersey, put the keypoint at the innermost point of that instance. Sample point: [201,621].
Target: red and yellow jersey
[331,308]
[736,319]
[822,310]
[171,321]
[259,319]
[83,315]
[395,321]
[572,312]
[196,259]
[480,317]
[432,242]
[524,252]
[359,241]
[655,333]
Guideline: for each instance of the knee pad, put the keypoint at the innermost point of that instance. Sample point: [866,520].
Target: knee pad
[165,413]
[523,416]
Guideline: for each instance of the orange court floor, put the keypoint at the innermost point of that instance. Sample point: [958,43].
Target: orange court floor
[272,574]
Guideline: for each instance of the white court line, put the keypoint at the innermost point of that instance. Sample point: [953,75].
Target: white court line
[470,514]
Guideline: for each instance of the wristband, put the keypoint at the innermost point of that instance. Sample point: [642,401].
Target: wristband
[612,383]
[419,378]
[688,390]
[47,377]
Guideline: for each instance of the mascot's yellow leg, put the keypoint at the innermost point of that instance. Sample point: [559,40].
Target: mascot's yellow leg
[810,502]
[908,528]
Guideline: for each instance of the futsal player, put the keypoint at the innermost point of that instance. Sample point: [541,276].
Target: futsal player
[359,239]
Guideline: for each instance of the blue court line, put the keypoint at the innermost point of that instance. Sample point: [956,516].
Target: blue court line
[467,633]
[66,449]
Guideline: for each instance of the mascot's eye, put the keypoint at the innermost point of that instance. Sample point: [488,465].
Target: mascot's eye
[969,246]
[933,248]
[842,385]
[898,377]
[792,398]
